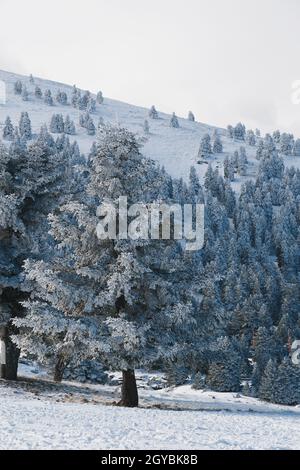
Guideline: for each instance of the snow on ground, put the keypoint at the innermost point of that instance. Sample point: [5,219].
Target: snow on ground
[175,149]
[36,414]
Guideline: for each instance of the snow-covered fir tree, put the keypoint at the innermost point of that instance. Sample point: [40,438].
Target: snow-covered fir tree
[90,127]
[205,149]
[32,182]
[61,98]
[266,387]
[153,114]
[251,139]
[25,126]
[229,170]
[174,121]
[38,92]
[286,144]
[31,79]
[191,116]
[57,124]
[48,98]
[239,132]
[24,93]
[18,87]
[8,129]
[100,98]
[224,372]
[217,145]
[146,127]
[296,149]
[230,131]
[69,126]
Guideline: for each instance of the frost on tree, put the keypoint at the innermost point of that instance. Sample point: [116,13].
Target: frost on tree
[115,297]
[25,126]
[239,132]
[57,124]
[191,116]
[33,180]
[205,149]
[8,129]
[48,98]
[153,114]
[217,145]
[24,94]
[146,127]
[18,87]
[100,98]
[38,93]
[69,126]
[174,121]
[61,98]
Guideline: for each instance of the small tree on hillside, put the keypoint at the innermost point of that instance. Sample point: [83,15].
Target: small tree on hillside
[174,121]
[153,114]
[8,129]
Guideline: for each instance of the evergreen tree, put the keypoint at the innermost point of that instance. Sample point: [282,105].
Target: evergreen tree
[32,180]
[90,126]
[18,87]
[260,150]
[205,149]
[31,79]
[229,170]
[286,144]
[286,387]
[296,149]
[100,98]
[8,129]
[217,145]
[195,188]
[146,127]
[239,132]
[242,162]
[57,124]
[153,114]
[174,121]
[38,92]
[191,116]
[24,94]
[25,126]
[69,126]
[266,388]
[251,140]
[276,137]
[224,369]
[75,97]
[230,131]
[48,98]
[61,98]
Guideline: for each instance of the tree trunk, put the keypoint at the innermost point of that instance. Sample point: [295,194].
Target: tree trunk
[10,356]
[129,390]
[59,369]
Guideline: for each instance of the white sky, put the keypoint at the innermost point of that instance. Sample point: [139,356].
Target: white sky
[227,60]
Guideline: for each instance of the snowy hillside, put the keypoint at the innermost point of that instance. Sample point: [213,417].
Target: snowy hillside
[175,149]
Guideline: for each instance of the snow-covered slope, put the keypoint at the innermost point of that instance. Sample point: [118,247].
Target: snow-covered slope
[175,149]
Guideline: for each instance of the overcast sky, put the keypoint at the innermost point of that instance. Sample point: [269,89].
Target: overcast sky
[226,60]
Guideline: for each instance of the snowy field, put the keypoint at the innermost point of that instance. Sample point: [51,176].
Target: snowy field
[73,416]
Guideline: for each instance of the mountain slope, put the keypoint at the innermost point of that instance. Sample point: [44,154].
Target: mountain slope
[175,149]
